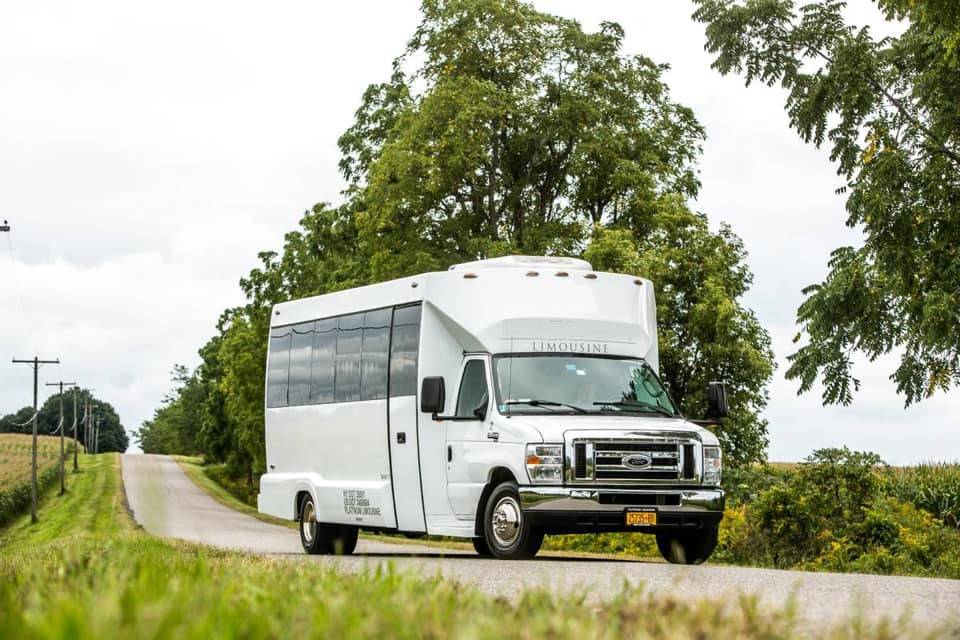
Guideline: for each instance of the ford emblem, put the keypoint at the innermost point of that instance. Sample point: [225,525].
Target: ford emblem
[637,461]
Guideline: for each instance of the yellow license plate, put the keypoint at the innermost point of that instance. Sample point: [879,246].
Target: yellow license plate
[641,518]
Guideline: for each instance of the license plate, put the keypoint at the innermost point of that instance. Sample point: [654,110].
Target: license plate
[641,518]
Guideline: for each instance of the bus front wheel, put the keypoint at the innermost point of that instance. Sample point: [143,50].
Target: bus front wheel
[507,533]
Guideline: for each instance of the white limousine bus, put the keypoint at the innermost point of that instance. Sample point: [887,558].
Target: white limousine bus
[499,401]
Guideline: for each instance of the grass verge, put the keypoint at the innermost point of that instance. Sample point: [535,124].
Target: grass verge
[86,571]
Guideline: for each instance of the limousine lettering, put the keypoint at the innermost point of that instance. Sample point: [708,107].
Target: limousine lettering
[555,346]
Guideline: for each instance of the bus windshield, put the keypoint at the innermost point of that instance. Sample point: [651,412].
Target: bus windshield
[543,384]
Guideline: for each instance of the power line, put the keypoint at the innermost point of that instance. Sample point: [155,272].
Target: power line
[35,363]
[5,227]
[76,443]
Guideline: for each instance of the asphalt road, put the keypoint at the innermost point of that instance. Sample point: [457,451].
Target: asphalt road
[167,503]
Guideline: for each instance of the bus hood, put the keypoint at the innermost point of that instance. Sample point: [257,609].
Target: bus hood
[554,428]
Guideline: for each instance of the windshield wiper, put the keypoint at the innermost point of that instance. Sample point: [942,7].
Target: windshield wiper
[547,403]
[639,404]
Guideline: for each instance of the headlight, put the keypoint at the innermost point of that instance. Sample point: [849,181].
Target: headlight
[545,463]
[712,465]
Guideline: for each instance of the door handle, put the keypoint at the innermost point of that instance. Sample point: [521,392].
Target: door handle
[402,437]
[449,453]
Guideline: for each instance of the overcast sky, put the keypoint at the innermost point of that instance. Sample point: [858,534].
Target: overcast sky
[149,151]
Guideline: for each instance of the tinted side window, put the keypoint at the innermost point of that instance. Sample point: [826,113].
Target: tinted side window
[404,345]
[473,389]
[278,367]
[324,360]
[349,344]
[301,346]
[373,363]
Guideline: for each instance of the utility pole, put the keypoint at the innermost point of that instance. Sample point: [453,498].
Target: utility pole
[76,443]
[88,426]
[63,482]
[96,435]
[36,362]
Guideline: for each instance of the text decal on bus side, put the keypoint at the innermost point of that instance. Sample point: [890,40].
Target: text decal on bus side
[356,502]
[569,346]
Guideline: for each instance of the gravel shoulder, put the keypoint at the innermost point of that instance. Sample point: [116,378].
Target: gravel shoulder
[168,504]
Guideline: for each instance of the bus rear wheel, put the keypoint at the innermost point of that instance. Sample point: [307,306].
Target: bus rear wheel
[326,539]
[507,533]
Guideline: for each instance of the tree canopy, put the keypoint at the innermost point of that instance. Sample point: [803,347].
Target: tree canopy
[890,110]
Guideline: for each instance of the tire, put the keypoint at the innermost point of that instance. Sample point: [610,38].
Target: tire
[687,547]
[480,545]
[326,539]
[506,532]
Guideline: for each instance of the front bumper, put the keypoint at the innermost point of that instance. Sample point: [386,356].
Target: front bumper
[595,509]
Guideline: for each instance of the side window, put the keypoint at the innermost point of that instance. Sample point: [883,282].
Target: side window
[473,389]
[301,346]
[349,345]
[373,363]
[404,344]
[278,367]
[324,360]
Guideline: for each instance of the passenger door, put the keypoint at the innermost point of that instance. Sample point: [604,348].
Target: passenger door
[402,419]
[467,436]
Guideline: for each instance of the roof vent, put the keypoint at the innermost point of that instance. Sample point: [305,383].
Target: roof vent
[525,262]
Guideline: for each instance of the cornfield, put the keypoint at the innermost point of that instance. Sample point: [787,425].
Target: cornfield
[15,456]
[933,487]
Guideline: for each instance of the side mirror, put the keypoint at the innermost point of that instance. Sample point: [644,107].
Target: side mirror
[716,400]
[432,395]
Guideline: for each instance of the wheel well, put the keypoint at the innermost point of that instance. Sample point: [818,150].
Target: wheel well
[298,502]
[497,475]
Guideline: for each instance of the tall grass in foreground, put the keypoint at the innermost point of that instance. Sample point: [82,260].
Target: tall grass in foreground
[87,572]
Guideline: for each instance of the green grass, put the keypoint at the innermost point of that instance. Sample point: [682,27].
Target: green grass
[87,571]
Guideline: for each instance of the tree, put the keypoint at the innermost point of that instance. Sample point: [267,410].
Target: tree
[889,109]
[517,132]
[176,423]
[113,436]
[705,333]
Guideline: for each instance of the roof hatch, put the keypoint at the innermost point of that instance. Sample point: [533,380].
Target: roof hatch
[525,262]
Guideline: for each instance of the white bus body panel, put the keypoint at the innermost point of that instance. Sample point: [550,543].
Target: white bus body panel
[347,455]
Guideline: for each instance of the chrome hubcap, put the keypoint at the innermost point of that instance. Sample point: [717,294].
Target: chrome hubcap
[506,521]
[308,523]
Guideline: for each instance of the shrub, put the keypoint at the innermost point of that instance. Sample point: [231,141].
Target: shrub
[832,513]
[240,488]
[743,484]
[895,537]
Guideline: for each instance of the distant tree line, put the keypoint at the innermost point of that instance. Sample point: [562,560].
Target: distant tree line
[517,132]
[113,436]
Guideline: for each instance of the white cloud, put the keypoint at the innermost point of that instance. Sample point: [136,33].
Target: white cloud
[148,152]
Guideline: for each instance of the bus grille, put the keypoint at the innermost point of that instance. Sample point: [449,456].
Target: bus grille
[632,460]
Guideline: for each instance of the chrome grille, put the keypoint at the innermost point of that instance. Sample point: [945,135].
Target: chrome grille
[630,461]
